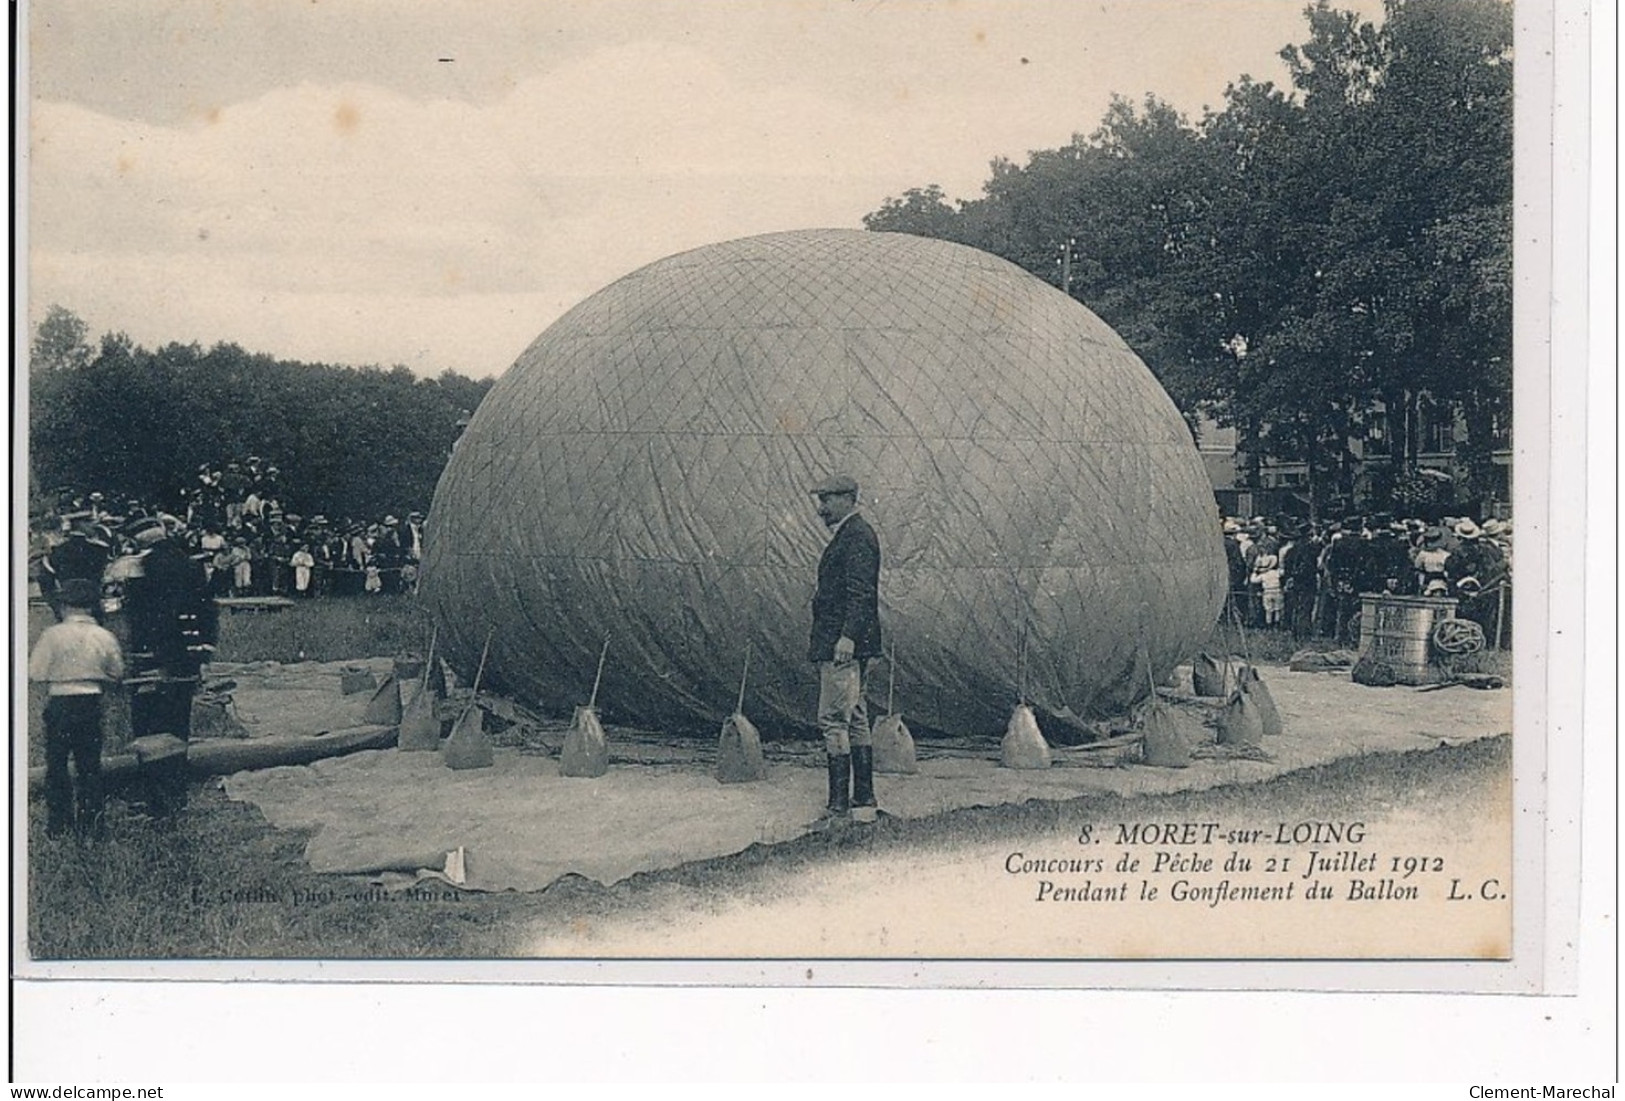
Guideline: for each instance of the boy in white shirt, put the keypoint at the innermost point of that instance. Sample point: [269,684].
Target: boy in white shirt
[1267,576]
[79,660]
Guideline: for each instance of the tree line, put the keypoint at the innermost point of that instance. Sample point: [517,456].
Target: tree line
[117,418]
[1303,257]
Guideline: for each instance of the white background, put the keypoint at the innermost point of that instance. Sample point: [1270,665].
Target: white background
[146,1033]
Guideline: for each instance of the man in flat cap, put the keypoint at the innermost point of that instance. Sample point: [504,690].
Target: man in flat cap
[845,637]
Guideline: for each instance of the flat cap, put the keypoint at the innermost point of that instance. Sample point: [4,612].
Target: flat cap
[835,483]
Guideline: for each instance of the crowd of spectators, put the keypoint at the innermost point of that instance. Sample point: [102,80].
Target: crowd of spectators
[233,521]
[1309,578]
[1284,572]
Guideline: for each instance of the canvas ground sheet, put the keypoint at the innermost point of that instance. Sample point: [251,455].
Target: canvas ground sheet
[523,826]
[270,698]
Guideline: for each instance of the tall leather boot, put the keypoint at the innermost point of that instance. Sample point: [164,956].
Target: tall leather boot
[840,789]
[863,784]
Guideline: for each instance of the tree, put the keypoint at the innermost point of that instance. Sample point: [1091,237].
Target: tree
[61,342]
[137,423]
[1304,256]
[922,211]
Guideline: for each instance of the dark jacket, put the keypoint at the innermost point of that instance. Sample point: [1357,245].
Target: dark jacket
[1302,563]
[1345,562]
[1236,564]
[170,612]
[1386,561]
[847,601]
[1475,558]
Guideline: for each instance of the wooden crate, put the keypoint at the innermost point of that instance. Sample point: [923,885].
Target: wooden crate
[1398,631]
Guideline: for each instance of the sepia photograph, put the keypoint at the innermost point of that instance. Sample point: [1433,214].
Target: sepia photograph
[1006,485]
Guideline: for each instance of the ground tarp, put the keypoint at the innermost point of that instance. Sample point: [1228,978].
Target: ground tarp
[270,698]
[523,825]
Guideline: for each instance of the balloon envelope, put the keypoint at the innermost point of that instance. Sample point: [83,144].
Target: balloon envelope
[642,473]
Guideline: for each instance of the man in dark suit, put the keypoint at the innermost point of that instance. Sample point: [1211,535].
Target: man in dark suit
[1300,566]
[174,626]
[1343,566]
[845,637]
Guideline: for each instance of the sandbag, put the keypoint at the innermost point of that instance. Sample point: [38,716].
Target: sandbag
[894,747]
[468,747]
[1249,682]
[384,709]
[586,750]
[739,752]
[1373,673]
[420,725]
[1164,744]
[353,679]
[212,717]
[1239,722]
[1023,745]
[1210,676]
[1322,661]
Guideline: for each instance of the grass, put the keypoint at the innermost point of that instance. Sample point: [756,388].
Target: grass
[221,884]
[1266,644]
[328,629]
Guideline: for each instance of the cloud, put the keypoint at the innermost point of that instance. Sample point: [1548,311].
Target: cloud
[336,218]
[345,207]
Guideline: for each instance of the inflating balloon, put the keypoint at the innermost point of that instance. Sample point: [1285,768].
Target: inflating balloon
[643,469]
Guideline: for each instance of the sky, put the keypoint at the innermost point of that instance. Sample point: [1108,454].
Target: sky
[432,183]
